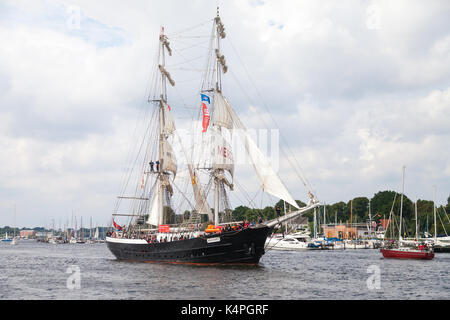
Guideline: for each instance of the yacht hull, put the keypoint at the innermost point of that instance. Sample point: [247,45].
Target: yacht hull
[234,247]
[442,249]
[404,254]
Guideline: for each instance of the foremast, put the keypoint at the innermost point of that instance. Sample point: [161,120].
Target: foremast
[166,159]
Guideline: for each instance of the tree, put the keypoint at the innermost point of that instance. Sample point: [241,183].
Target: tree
[360,208]
[239,213]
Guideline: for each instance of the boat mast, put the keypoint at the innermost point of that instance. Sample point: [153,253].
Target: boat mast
[417,231]
[401,205]
[219,33]
[434,213]
[165,76]
[315,223]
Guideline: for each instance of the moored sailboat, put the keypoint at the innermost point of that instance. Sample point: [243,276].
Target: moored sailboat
[399,250]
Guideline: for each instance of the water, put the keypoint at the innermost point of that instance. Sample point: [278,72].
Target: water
[32,270]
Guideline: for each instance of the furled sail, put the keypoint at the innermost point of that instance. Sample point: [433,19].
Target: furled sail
[269,179]
[221,115]
[168,159]
[201,203]
[169,124]
[153,216]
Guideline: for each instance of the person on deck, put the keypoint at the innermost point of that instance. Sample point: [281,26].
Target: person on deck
[151,165]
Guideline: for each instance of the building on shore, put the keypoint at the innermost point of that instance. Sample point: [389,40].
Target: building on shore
[27,234]
[348,231]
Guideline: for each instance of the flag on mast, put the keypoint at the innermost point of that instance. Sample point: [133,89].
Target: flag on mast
[118,227]
[206,117]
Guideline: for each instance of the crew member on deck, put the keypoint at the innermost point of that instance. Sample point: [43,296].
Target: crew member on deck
[151,165]
[157,165]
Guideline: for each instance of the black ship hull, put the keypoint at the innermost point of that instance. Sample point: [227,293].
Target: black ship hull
[234,247]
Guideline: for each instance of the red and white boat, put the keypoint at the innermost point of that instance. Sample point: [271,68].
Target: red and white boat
[417,251]
[423,252]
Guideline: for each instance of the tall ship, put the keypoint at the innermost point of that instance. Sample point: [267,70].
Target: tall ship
[152,232]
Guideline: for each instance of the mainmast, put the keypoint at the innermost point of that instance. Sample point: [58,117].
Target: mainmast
[219,63]
[163,144]
[224,117]
[434,214]
[401,205]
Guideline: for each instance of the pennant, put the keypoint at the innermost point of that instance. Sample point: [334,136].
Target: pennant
[193,179]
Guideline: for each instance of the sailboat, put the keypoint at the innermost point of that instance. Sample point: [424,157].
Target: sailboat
[400,250]
[187,242]
[6,239]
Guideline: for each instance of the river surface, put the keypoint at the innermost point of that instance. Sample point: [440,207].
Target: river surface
[32,270]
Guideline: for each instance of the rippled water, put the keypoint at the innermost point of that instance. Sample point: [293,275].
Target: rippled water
[32,270]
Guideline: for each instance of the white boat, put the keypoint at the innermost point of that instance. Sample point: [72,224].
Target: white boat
[357,244]
[288,242]
[6,239]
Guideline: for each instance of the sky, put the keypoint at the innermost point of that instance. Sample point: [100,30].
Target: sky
[357,89]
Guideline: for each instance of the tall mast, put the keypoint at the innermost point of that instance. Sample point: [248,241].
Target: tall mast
[401,204]
[351,218]
[219,61]
[315,223]
[417,231]
[434,213]
[370,222]
[165,76]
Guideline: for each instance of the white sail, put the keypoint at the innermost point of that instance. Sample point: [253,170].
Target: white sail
[153,216]
[96,233]
[169,124]
[269,179]
[168,159]
[221,115]
[201,203]
[221,153]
